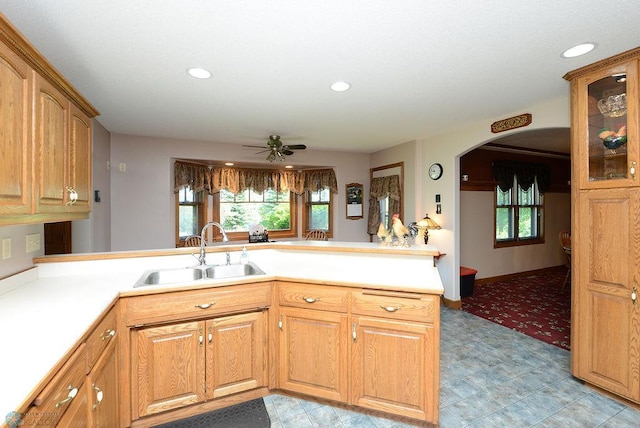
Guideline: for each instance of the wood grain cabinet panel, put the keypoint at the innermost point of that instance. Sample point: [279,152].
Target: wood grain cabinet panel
[313,354]
[168,367]
[236,354]
[393,369]
[15,138]
[605,323]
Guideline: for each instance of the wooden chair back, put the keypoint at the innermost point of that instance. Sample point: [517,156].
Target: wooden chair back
[316,235]
[192,241]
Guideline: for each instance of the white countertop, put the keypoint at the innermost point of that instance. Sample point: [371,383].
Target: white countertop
[45,311]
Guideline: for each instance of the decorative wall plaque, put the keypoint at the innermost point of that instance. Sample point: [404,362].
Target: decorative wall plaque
[511,123]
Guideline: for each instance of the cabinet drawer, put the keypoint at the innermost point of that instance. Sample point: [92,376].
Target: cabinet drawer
[100,338]
[320,297]
[194,304]
[396,305]
[65,387]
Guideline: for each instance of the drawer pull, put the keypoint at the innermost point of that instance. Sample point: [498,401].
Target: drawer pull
[99,396]
[73,391]
[310,299]
[390,308]
[205,305]
[108,334]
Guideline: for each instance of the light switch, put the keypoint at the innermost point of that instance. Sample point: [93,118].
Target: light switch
[6,248]
[123,167]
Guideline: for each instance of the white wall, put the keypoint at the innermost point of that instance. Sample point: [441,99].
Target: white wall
[447,149]
[476,236]
[142,199]
[20,259]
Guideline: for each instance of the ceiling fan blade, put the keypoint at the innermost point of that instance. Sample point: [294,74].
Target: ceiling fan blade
[254,147]
[295,146]
[262,151]
[286,152]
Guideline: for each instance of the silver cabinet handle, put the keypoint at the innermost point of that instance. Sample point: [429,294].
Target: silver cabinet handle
[632,170]
[390,308]
[200,337]
[210,335]
[73,391]
[205,305]
[634,295]
[280,323]
[99,396]
[311,299]
[108,334]
[73,195]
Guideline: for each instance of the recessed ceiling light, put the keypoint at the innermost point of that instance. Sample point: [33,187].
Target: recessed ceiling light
[228,163]
[579,50]
[340,86]
[289,167]
[199,73]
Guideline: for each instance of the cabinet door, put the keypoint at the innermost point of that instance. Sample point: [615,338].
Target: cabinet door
[605,320]
[236,354]
[393,368]
[314,353]
[50,147]
[102,385]
[605,127]
[168,367]
[80,159]
[15,138]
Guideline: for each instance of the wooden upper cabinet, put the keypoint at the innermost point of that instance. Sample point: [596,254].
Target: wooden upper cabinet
[80,159]
[605,103]
[15,138]
[50,147]
[45,137]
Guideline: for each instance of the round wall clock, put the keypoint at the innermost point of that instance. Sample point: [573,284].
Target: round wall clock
[435,171]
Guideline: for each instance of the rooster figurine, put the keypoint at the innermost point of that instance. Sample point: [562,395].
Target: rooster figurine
[400,230]
[384,235]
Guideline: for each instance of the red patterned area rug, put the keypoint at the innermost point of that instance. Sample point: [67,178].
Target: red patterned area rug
[533,305]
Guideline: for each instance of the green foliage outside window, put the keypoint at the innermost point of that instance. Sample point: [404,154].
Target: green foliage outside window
[270,209]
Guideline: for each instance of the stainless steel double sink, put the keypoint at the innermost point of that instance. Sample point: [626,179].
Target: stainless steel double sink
[197,273]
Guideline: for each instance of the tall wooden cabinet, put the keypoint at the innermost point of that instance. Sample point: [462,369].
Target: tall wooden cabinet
[45,164]
[605,337]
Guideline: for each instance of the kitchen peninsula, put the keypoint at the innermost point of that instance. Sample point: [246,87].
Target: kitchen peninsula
[75,320]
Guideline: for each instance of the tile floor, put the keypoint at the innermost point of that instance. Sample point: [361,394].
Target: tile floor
[490,376]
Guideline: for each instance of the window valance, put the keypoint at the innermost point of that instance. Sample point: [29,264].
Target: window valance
[237,180]
[503,172]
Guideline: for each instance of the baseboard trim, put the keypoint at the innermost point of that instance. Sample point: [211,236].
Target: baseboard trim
[451,304]
[519,274]
[457,304]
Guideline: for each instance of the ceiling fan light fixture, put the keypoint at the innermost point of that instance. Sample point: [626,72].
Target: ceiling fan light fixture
[199,73]
[578,50]
[340,86]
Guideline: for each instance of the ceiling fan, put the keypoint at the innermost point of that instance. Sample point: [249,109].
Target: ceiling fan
[277,150]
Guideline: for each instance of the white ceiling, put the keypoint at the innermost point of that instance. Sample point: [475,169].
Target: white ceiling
[417,67]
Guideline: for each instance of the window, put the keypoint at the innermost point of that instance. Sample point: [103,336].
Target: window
[276,211]
[318,209]
[191,213]
[519,215]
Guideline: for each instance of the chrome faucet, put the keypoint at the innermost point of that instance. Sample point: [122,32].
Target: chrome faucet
[202,257]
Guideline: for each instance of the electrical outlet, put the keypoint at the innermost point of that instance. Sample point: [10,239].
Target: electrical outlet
[6,248]
[33,242]
[123,167]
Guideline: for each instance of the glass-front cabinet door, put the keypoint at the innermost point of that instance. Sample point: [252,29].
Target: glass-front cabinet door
[607,134]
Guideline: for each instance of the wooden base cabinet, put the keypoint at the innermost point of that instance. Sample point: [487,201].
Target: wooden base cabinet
[605,148]
[177,365]
[374,349]
[390,364]
[314,353]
